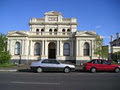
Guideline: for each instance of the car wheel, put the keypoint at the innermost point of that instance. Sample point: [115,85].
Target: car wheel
[39,69]
[67,70]
[93,70]
[117,70]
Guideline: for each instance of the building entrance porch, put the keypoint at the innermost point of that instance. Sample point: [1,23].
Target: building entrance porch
[51,50]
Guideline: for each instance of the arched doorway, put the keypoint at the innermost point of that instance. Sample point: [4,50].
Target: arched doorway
[52,51]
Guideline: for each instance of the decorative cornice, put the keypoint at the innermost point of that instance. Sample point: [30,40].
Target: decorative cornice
[52,23]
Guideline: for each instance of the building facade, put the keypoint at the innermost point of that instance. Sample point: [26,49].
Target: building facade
[51,37]
[115,44]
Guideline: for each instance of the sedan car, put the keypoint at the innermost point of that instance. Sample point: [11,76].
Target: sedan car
[51,65]
[101,65]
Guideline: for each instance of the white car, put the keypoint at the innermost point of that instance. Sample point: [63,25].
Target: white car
[51,65]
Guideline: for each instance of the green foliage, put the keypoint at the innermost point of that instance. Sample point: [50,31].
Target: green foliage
[6,65]
[104,52]
[116,56]
[98,46]
[5,56]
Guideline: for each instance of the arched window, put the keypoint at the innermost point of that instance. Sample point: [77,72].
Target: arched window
[37,49]
[86,49]
[68,31]
[37,31]
[63,31]
[17,48]
[55,31]
[50,31]
[42,30]
[66,51]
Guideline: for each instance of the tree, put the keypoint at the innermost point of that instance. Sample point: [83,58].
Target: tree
[98,46]
[5,56]
[116,56]
[104,52]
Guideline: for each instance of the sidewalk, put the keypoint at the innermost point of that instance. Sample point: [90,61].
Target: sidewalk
[14,68]
[26,68]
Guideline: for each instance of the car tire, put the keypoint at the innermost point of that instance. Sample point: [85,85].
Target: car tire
[67,70]
[93,70]
[117,70]
[39,70]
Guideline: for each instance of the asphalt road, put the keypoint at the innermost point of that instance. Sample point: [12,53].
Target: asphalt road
[59,81]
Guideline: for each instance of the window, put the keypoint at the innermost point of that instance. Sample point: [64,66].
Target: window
[95,61]
[63,31]
[68,31]
[46,61]
[42,30]
[37,31]
[50,31]
[54,62]
[55,31]
[66,51]
[104,62]
[17,48]
[37,49]
[86,49]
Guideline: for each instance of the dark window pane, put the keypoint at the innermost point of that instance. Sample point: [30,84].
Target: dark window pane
[86,49]
[66,50]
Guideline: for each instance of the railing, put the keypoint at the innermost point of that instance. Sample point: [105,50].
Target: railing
[52,33]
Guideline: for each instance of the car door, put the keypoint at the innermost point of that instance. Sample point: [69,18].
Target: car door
[107,66]
[55,65]
[98,65]
[46,65]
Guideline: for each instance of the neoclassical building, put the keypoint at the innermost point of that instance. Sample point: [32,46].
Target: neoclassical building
[51,37]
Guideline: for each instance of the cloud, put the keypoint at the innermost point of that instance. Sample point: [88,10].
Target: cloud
[107,37]
[98,27]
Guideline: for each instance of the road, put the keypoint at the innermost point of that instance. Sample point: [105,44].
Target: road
[59,81]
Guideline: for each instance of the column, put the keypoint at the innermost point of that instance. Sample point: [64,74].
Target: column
[43,48]
[61,48]
[30,47]
[58,48]
[71,49]
[76,47]
[26,47]
[11,47]
[46,48]
[92,51]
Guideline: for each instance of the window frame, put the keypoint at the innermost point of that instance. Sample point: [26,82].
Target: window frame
[86,49]
[17,48]
[37,49]
[66,49]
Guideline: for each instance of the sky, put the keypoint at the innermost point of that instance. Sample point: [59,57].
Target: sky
[102,16]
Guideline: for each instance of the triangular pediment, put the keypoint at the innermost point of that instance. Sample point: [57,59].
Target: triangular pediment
[87,33]
[18,33]
[52,13]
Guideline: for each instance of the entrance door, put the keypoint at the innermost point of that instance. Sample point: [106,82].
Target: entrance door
[52,51]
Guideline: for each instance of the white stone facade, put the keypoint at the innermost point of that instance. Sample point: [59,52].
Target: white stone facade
[115,44]
[51,33]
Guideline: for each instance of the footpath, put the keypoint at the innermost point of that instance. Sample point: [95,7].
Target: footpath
[25,68]
[15,68]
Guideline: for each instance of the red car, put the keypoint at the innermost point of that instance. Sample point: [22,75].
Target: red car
[101,65]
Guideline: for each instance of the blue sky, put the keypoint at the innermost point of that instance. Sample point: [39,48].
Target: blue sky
[102,16]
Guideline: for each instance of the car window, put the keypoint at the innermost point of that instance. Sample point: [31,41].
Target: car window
[54,62]
[95,62]
[99,61]
[91,61]
[45,61]
[104,62]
